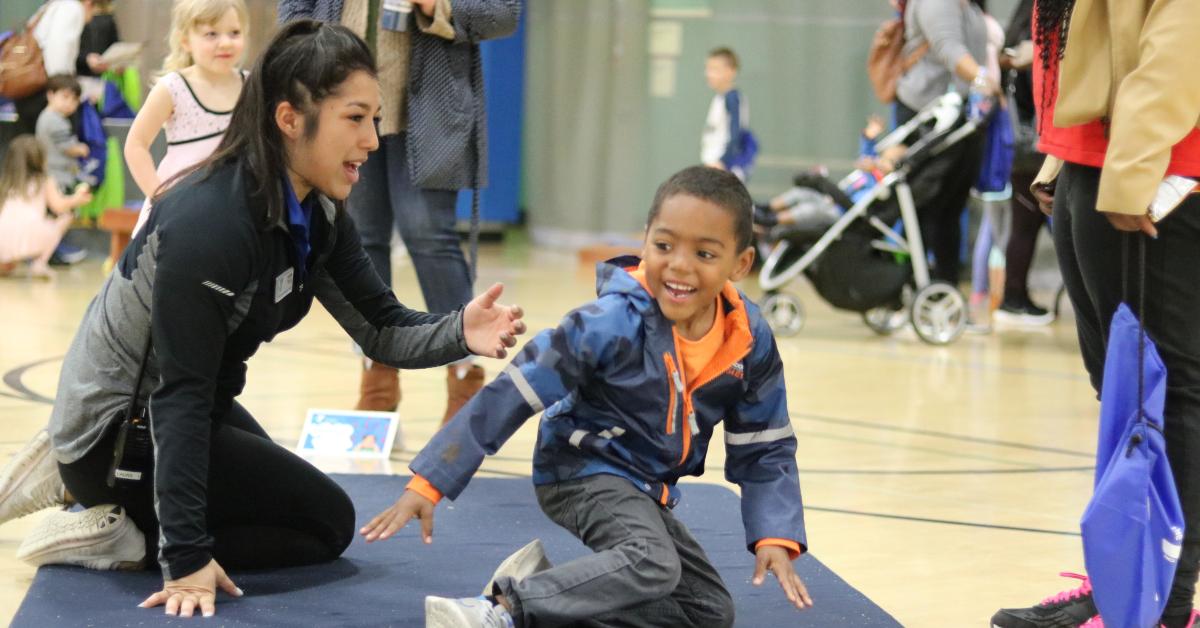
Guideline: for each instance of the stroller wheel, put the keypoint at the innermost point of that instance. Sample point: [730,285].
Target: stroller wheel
[884,320]
[939,313]
[784,313]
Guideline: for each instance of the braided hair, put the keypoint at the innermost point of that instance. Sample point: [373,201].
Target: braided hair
[1052,19]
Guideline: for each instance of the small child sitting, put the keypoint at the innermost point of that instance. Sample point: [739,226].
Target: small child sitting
[27,233]
[632,386]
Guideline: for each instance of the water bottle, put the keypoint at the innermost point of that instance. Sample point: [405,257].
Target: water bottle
[394,16]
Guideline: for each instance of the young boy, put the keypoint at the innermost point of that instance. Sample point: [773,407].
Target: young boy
[63,149]
[632,385]
[721,144]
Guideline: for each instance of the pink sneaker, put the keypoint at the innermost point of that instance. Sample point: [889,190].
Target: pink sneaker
[1067,608]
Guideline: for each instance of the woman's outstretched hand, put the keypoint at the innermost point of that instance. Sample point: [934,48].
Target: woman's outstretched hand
[492,328]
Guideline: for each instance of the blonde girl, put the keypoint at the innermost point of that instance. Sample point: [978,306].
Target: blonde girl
[27,231]
[193,100]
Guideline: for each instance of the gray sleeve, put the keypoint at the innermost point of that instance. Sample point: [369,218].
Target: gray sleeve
[55,133]
[941,24]
[410,344]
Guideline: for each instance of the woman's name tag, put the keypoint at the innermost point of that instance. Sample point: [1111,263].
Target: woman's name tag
[283,284]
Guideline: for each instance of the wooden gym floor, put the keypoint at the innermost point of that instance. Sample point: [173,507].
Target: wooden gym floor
[943,482]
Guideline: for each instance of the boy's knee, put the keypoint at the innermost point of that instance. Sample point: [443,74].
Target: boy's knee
[659,569]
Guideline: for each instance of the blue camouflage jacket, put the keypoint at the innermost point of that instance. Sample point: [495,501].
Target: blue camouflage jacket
[610,383]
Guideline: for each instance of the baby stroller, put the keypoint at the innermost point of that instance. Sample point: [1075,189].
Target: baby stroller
[859,261]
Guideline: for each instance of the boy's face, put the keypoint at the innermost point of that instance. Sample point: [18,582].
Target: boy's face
[719,73]
[690,252]
[64,101]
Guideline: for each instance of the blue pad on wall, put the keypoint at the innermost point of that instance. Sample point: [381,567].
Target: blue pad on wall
[385,583]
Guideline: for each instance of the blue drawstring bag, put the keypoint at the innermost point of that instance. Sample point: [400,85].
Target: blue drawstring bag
[91,132]
[996,171]
[1133,525]
[113,104]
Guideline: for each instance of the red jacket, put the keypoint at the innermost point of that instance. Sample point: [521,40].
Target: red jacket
[1086,144]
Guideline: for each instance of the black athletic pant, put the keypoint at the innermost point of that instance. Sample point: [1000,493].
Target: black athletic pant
[1027,220]
[267,507]
[1090,256]
[951,174]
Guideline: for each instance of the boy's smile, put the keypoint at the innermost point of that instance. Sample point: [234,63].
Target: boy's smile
[690,252]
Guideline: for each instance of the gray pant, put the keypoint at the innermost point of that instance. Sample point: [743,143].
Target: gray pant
[647,569]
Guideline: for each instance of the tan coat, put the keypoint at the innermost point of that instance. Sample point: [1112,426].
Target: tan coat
[1131,62]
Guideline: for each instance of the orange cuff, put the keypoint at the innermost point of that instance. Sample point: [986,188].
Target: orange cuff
[792,547]
[422,487]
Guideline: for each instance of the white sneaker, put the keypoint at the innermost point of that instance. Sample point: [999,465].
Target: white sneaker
[465,612]
[521,564]
[101,537]
[30,481]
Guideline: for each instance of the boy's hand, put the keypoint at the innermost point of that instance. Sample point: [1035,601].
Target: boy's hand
[390,521]
[775,559]
[489,327]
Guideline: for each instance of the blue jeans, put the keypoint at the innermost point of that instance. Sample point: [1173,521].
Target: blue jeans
[385,199]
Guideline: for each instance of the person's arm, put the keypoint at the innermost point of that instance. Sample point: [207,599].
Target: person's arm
[733,108]
[471,21]
[194,249]
[1156,106]
[60,203]
[552,364]
[289,10]
[78,150]
[942,24]
[760,456]
[388,332]
[547,369]
[149,121]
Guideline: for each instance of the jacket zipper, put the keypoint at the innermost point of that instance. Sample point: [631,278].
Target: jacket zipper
[675,386]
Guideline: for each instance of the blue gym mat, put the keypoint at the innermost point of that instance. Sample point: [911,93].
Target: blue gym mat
[384,584]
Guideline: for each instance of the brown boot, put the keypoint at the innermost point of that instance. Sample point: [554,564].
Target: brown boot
[460,390]
[380,388]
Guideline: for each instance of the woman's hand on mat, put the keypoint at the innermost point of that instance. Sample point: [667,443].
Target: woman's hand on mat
[492,328]
[775,560]
[183,595]
[1132,222]
[411,504]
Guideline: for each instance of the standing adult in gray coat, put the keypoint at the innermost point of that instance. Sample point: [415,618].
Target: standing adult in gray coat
[433,143]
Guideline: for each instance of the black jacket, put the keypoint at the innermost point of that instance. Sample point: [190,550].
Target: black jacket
[217,286]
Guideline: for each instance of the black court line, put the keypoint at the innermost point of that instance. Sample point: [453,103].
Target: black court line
[933,360]
[928,472]
[951,522]
[844,511]
[13,380]
[941,434]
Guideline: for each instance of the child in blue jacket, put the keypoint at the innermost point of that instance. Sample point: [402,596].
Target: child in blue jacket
[632,385]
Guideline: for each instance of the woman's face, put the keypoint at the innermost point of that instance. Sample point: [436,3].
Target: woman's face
[328,160]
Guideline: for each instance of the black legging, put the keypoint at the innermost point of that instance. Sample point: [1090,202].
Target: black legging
[1090,257]
[1027,220]
[267,507]
[953,172]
